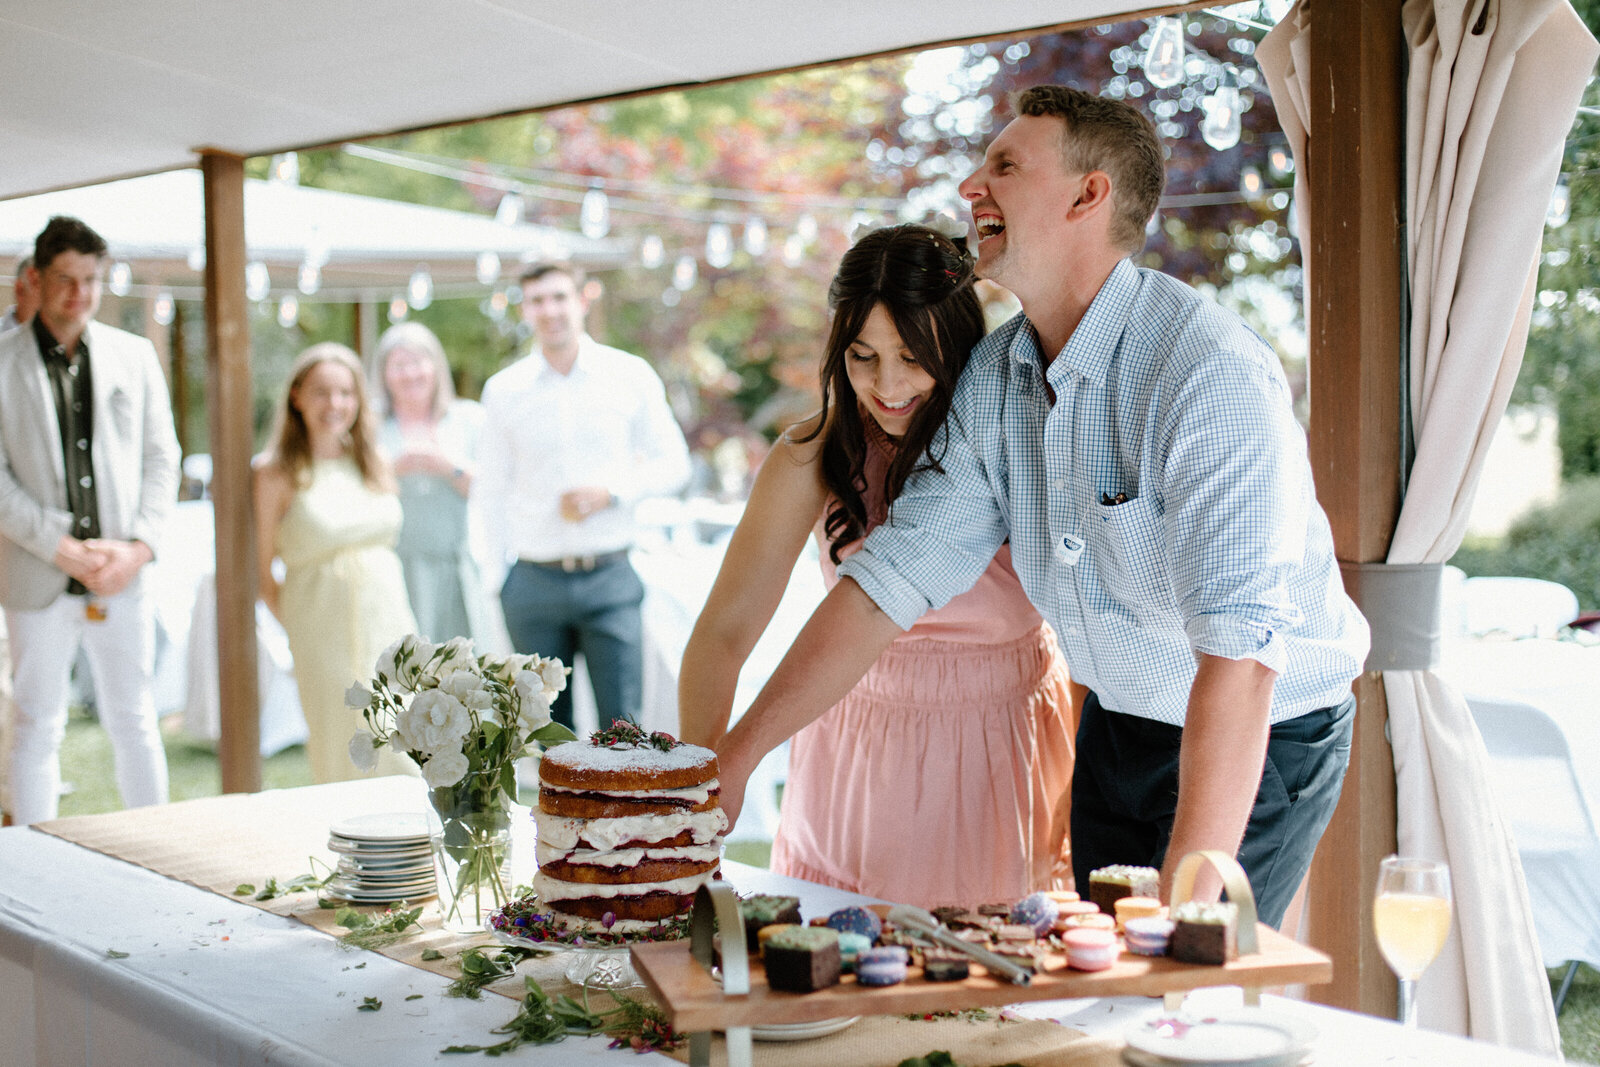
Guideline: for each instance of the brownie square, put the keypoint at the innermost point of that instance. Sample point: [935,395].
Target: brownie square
[803,960]
[1206,933]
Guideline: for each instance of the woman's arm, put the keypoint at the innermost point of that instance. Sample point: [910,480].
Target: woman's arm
[785,503]
[273,491]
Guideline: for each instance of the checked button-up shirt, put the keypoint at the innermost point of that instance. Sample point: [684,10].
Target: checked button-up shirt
[1160,508]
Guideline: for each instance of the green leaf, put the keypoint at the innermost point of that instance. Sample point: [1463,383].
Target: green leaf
[114,954]
[432,954]
[415,996]
[553,733]
[369,1004]
[243,889]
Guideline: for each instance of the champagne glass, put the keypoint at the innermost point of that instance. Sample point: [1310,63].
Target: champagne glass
[1411,916]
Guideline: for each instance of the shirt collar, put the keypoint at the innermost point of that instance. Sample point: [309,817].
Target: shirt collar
[51,349]
[580,364]
[1092,344]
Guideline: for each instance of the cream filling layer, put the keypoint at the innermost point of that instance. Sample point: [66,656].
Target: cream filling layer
[695,794]
[627,857]
[563,832]
[547,888]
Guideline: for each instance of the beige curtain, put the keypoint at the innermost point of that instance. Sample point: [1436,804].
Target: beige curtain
[1493,87]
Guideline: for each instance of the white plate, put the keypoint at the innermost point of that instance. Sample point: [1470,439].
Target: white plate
[800,1031]
[395,826]
[1244,1037]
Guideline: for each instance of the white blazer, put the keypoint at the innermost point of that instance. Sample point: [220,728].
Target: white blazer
[134,454]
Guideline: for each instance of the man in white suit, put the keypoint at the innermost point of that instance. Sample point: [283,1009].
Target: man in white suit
[88,474]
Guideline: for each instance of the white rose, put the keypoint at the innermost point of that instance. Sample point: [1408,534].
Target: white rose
[445,768]
[533,702]
[454,655]
[435,722]
[554,675]
[357,696]
[467,686]
[398,664]
[364,751]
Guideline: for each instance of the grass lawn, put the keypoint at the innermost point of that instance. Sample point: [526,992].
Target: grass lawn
[192,767]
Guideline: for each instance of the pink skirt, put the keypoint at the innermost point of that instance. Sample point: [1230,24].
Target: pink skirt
[943,778]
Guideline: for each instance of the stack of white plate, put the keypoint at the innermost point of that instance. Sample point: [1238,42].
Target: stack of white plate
[382,858]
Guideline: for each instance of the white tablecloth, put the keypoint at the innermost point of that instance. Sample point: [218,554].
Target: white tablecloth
[208,980]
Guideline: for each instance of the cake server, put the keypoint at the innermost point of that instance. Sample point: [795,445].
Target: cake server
[923,922]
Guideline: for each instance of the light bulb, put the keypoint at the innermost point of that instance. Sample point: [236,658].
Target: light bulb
[652,252]
[1280,161]
[755,237]
[286,169]
[684,273]
[197,259]
[1163,60]
[1560,204]
[1220,127]
[498,304]
[1250,183]
[288,311]
[719,245]
[257,281]
[398,309]
[509,213]
[165,309]
[310,278]
[419,290]
[794,250]
[488,268]
[806,227]
[119,279]
[594,216]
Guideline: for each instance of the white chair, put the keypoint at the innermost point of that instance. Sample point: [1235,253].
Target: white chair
[1520,607]
[1530,766]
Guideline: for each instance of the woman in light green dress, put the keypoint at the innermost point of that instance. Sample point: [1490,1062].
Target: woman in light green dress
[430,436]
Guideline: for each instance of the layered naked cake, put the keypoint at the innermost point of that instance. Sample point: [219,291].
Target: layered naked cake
[630,825]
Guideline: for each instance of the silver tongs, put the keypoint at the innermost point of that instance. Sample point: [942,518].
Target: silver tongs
[923,922]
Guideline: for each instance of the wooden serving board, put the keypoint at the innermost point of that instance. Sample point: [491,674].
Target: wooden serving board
[695,1001]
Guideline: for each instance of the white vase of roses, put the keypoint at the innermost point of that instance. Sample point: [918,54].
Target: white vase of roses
[466,720]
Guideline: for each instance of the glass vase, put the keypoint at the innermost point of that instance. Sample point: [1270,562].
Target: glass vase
[472,865]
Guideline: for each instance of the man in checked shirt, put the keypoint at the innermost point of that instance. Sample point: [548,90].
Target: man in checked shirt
[1135,443]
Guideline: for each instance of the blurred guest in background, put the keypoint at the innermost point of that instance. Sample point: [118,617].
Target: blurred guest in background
[326,506]
[431,437]
[26,291]
[88,475]
[575,434]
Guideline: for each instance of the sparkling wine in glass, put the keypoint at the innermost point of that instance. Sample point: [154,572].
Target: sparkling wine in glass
[1411,916]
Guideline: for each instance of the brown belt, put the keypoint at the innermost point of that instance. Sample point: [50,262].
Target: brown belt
[576,564]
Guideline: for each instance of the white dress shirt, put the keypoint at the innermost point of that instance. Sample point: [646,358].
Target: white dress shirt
[605,423]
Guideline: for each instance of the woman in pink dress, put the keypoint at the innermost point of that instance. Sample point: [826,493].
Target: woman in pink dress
[944,776]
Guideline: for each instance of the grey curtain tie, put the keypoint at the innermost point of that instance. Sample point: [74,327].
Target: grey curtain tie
[1402,604]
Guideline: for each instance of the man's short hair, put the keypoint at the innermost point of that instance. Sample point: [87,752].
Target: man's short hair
[535,271]
[63,233]
[23,264]
[1110,136]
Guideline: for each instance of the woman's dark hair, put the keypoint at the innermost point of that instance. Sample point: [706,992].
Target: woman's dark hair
[924,280]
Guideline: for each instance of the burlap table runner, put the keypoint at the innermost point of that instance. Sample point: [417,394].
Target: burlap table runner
[219,843]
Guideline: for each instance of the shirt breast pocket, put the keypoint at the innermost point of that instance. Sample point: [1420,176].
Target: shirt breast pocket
[1126,544]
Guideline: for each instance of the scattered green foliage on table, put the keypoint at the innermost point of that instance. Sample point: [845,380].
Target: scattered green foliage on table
[479,969]
[432,954]
[543,1019]
[374,930]
[939,1058]
[112,953]
[369,1004]
[272,888]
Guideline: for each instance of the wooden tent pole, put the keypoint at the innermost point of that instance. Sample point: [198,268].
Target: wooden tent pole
[231,413]
[1355,311]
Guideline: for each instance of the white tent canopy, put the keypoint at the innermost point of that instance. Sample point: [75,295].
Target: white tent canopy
[95,91]
[368,246]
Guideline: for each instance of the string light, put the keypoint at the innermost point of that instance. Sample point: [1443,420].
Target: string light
[652,252]
[257,280]
[398,309]
[488,268]
[794,250]
[166,309]
[509,212]
[1250,183]
[197,259]
[285,169]
[119,279]
[719,245]
[288,311]
[1560,204]
[684,273]
[310,277]
[1220,127]
[419,290]
[1163,60]
[594,215]
[755,236]
[806,227]
[1280,161]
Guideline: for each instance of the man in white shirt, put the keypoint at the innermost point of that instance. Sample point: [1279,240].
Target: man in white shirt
[27,297]
[575,434]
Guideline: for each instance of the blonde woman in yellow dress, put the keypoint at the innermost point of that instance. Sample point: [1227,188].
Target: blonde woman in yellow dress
[326,506]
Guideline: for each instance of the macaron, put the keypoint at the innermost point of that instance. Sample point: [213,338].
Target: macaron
[1090,950]
[1136,908]
[885,965]
[1098,920]
[852,945]
[1148,935]
[856,921]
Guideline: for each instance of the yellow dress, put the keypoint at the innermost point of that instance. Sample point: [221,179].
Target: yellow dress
[343,602]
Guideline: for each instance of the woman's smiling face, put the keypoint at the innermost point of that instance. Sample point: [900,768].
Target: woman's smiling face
[889,382]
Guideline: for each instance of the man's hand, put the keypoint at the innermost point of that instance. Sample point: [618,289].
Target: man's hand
[77,559]
[578,504]
[120,564]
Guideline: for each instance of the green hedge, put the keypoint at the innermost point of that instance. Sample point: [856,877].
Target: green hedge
[1559,542]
